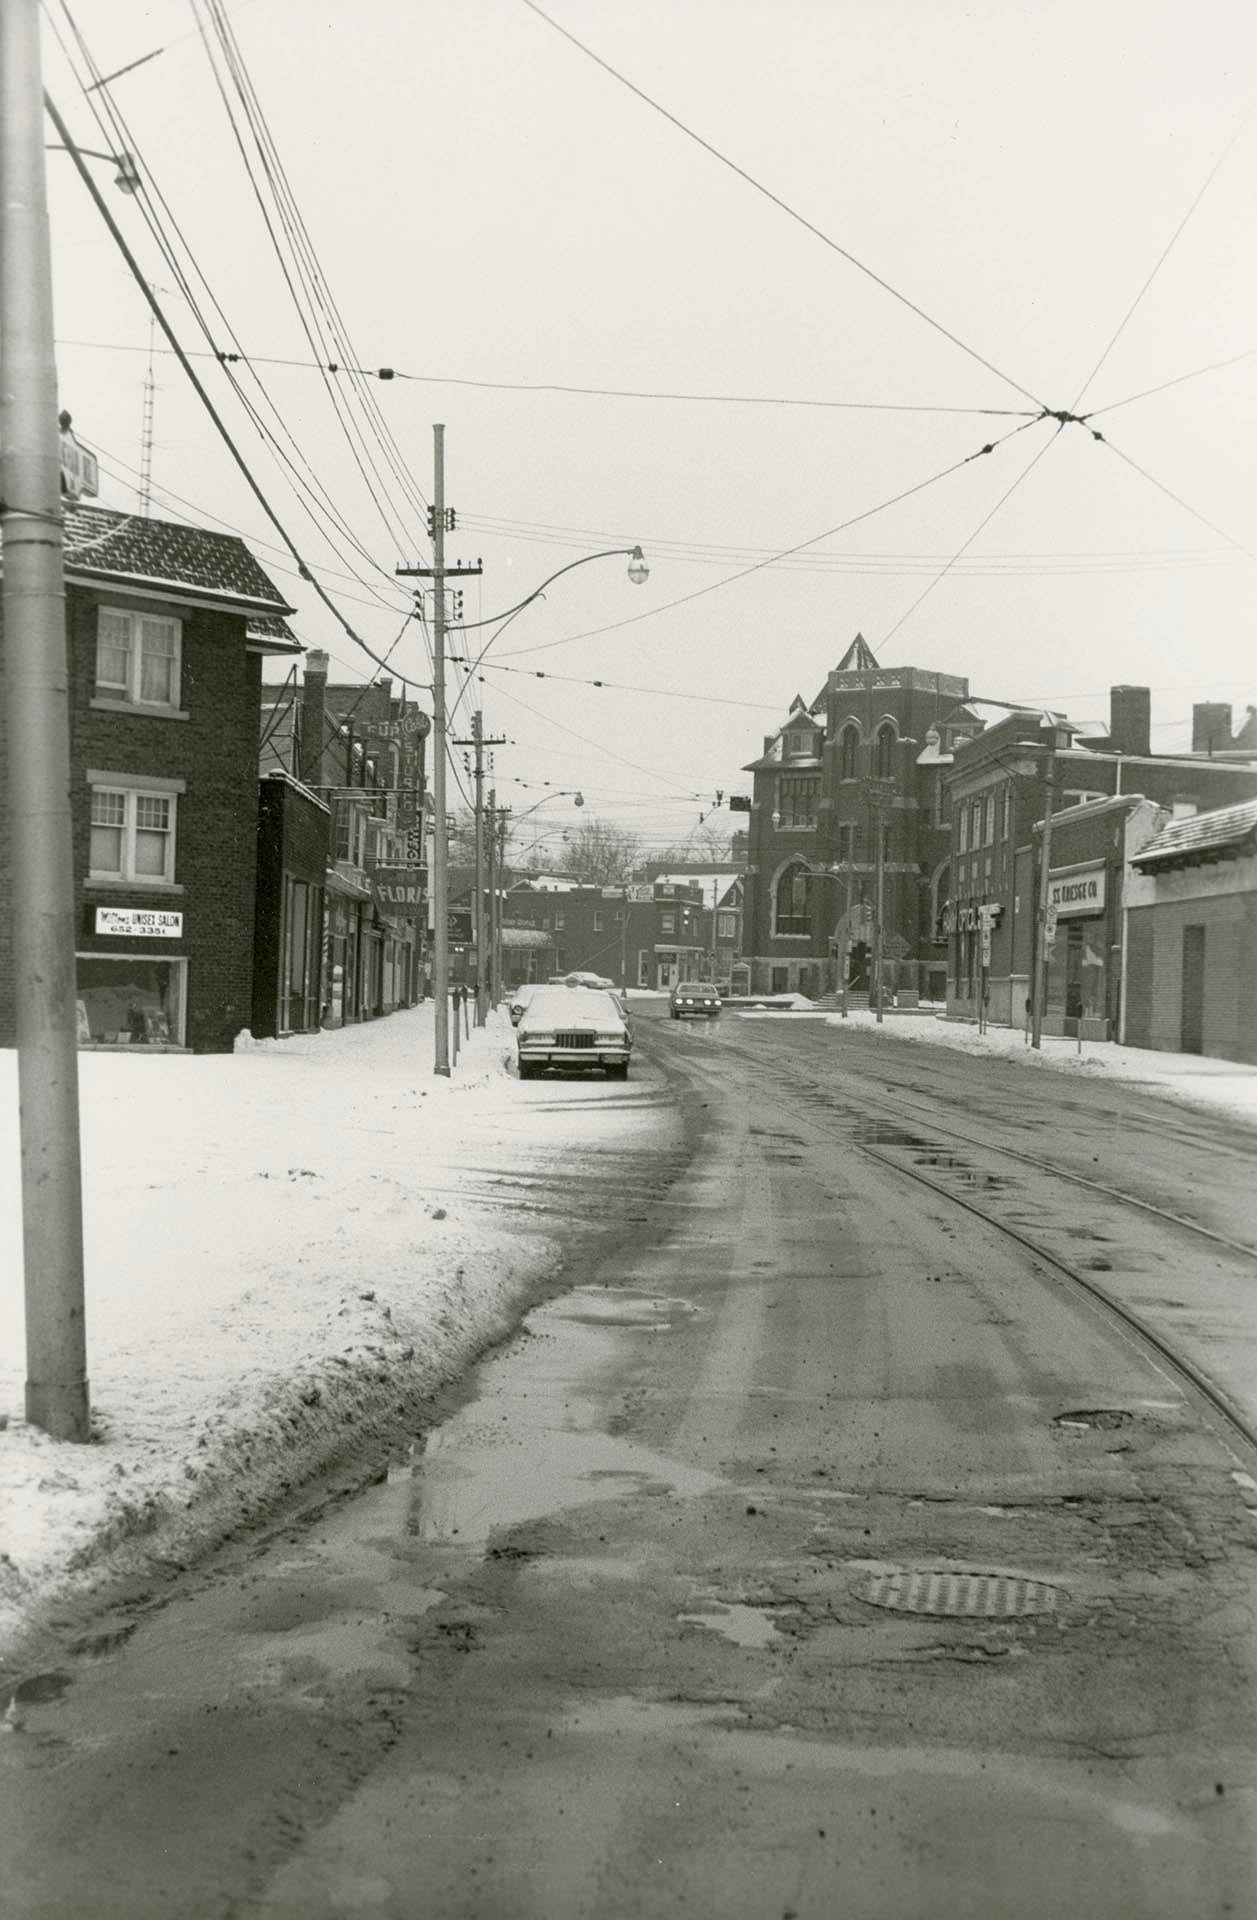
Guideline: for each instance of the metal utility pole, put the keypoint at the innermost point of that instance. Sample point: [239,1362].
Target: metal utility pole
[1038,991]
[439,524]
[37,698]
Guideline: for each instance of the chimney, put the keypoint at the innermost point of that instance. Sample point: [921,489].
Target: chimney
[1130,720]
[1211,726]
[313,723]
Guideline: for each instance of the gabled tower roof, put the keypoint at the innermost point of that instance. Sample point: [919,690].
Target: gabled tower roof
[858,657]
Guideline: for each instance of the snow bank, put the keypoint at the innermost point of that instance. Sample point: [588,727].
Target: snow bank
[1226,1085]
[281,1261]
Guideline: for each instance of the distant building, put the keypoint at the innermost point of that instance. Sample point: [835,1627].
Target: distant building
[856,770]
[166,629]
[1191,937]
[996,787]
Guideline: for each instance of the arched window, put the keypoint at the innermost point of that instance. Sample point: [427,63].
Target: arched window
[848,748]
[886,742]
[792,901]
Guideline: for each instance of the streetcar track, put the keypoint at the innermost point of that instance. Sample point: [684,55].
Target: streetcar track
[1214,1396]
[825,1096]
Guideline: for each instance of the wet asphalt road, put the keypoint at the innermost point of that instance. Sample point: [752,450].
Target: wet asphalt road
[615,1639]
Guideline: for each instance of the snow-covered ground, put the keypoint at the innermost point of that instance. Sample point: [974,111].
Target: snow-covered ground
[1225,1085]
[285,1247]
[292,1246]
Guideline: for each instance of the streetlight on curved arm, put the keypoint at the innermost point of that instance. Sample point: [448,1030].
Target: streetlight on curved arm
[638,573]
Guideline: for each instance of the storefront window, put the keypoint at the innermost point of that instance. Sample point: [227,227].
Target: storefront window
[129,1000]
[1076,971]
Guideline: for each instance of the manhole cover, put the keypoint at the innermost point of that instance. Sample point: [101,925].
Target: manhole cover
[983,1596]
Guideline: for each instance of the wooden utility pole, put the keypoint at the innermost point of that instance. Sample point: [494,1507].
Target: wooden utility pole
[36,694]
[478,742]
[1038,991]
[440,522]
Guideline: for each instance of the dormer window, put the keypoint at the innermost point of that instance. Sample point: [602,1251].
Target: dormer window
[798,744]
[138,658]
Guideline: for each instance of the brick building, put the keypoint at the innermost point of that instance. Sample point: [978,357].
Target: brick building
[857,767]
[649,933]
[292,852]
[166,627]
[996,785]
[360,750]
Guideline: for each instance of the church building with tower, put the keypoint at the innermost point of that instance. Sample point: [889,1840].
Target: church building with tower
[849,834]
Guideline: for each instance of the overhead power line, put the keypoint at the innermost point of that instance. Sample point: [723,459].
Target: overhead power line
[155,305]
[1146,393]
[784,206]
[568,387]
[309,492]
[1163,256]
[783,553]
[984,522]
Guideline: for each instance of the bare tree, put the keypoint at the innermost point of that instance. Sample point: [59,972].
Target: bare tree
[600,852]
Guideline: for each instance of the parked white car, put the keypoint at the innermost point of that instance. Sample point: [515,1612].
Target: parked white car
[574,1029]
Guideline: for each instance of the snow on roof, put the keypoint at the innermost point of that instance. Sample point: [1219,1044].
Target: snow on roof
[125,546]
[1221,833]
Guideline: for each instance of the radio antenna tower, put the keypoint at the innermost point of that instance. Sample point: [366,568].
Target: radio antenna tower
[146,422]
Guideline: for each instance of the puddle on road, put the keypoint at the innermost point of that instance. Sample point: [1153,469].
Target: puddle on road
[745,1626]
[606,1307]
[531,1444]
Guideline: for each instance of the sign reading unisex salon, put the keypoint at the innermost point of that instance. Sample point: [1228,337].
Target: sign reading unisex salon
[139,923]
[1078,893]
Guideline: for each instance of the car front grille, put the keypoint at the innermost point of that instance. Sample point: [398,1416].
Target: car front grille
[573,1039]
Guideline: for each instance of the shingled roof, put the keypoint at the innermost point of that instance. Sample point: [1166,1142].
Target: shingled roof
[1224,833]
[101,544]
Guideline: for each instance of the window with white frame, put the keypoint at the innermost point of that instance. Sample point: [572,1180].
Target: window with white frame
[138,657]
[1008,811]
[600,922]
[988,820]
[133,835]
[962,829]
[726,926]
[667,923]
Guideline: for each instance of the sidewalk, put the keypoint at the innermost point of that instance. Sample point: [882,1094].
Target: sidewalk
[280,1255]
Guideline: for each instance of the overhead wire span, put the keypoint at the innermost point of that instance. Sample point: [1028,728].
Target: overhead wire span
[1164,255]
[567,387]
[309,491]
[357,448]
[1177,498]
[653,773]
[777,201]
[1146,393]
[984,522]
[314,280]
[782,553]
[220,425]
[621,686]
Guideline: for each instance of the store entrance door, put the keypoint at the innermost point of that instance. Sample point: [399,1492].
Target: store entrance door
[1192,1038]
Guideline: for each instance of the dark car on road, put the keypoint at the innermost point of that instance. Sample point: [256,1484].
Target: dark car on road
[694,999]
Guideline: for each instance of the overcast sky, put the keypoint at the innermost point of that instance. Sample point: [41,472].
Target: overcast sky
[497,216]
